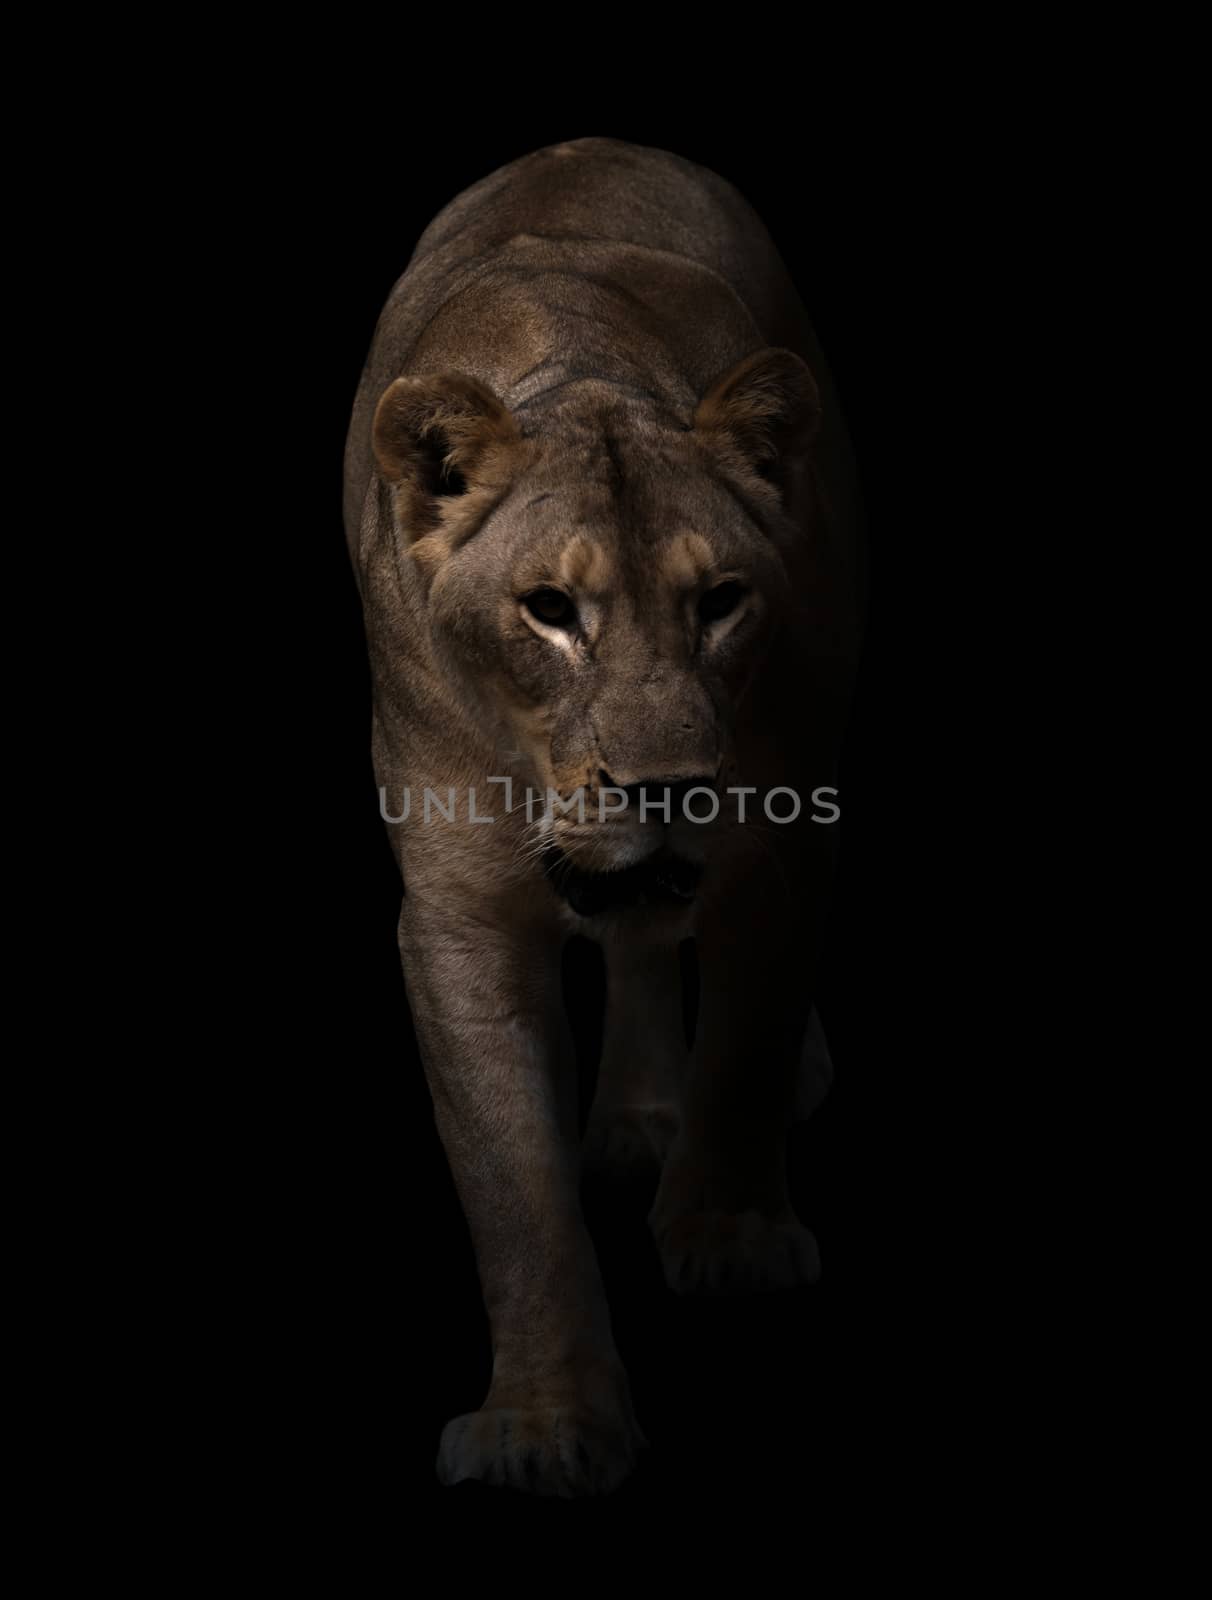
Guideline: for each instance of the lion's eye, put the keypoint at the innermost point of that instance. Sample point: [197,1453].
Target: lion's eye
[721,601]
[551,606]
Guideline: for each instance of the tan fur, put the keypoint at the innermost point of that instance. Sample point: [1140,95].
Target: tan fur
[584,565]
[686,558]
[596,377]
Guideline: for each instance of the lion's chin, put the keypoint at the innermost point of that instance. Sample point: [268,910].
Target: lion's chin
[659,879]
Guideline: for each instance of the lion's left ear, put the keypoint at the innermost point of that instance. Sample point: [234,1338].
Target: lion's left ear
[763,412]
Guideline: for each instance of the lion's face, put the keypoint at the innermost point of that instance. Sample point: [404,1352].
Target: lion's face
[605,589]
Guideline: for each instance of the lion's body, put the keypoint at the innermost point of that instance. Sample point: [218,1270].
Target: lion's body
[537,409]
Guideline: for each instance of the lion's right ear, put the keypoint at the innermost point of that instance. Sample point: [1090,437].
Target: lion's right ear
[443,444]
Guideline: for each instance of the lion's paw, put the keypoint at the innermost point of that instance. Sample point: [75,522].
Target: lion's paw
[556,1451]
[716,1252]
[629,1140]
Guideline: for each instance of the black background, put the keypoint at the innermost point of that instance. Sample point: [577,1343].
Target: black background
[349,1306]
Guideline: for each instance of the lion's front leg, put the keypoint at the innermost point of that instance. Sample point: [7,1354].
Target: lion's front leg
[557,1418]
[644,1057]
[722,1219]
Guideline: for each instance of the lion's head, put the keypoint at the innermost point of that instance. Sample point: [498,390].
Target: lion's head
[606,579]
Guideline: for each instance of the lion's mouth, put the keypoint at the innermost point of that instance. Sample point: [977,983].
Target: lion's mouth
[660,879]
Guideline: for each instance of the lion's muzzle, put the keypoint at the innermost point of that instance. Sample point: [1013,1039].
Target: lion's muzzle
[660,879]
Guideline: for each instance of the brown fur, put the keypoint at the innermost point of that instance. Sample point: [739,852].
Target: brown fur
[596,377]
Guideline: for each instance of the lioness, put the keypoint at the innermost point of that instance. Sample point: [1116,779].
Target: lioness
[599,502]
